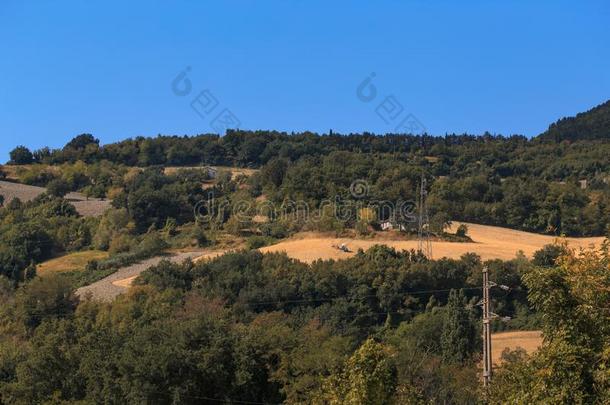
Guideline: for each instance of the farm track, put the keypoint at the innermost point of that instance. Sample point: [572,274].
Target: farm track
[117,283]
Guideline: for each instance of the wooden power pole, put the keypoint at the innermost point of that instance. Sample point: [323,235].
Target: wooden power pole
[486,329]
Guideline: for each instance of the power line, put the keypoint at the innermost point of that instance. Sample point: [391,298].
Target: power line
[42,314]
[328,299]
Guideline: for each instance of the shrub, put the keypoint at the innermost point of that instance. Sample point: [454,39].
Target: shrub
[276,229]
[152,244]
[58,188]
[92,265]
[121,243]
[40,299]
[36,175]
[547,256]
[21,156]
[256,242]
[462,230]
[362,228]
[199,236]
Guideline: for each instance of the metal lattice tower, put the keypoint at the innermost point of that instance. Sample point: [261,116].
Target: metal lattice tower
[424,244]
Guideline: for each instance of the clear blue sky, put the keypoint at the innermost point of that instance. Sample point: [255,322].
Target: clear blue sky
[69,67]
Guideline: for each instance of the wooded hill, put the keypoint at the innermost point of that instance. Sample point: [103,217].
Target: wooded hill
[381,327]
[535,185]
[593,124]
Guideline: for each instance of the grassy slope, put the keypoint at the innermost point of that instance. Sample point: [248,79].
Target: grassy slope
[71,262]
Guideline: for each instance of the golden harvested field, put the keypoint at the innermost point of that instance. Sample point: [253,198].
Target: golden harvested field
[72,262]
[530,341]
[490,242]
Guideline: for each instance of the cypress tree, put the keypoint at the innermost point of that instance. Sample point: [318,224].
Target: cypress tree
[459,338]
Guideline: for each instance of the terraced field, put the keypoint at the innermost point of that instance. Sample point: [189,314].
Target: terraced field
[88,207]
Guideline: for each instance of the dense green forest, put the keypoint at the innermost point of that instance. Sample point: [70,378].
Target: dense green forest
[254,327]
[381,328]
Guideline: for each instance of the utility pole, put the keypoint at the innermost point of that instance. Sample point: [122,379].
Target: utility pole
[420,216]
[486,329]
[487,317]
[424,244]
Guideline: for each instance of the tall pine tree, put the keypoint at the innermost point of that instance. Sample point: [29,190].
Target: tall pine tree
[460,337]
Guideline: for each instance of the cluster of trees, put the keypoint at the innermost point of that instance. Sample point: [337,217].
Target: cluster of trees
[152,198]
[151,211]
[100,180]
[82,147]
[555,188]
[383,327]
[573,364]
[34,231]
[474,193]
[514,155]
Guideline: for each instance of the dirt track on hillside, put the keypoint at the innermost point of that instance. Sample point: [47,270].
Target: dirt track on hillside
[117,283]
[490,242]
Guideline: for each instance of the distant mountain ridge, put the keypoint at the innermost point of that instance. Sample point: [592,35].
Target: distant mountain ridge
[589,125]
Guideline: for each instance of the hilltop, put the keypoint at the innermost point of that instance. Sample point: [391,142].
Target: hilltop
[589,125]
